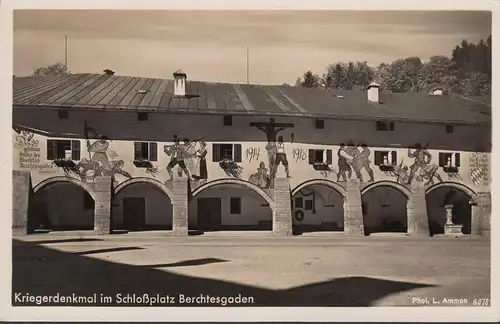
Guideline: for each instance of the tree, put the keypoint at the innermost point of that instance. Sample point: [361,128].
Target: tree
[438,71]
[54,69]
[310,80]
[467,71]
[401,75]
[347,76]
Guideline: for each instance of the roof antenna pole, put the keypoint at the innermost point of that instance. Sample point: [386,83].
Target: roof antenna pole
[66,52]
[248,67]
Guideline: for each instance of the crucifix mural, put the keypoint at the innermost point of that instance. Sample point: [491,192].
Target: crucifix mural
[274,149]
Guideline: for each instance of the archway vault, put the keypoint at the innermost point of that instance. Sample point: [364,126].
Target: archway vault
[455,185]
[63,179]
[151,181]
[327,183]
[404,190]
[238,182]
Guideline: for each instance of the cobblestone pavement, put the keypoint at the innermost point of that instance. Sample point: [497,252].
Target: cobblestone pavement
[323,270]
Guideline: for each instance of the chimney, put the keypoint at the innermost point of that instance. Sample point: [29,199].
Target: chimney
[373,92]
[180,83]
[108,72]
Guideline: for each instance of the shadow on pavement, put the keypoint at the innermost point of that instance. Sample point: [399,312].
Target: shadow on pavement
[116,249]
[187,263]
[57,241]
[39,270]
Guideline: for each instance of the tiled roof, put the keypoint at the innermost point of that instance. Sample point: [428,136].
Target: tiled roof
[99,91]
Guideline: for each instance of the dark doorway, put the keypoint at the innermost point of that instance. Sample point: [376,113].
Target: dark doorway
[209,214]
[134,213]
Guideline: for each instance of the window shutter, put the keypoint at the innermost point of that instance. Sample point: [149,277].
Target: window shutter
[379,158]
[329,158]
[137,151]
[311,156]
[153,151]
[394,157]
[51,150]
[216,152]
[237,152]
[75,150]
[457,159]
[442,159]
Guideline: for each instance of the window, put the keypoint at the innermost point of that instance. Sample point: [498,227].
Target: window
[386,158]
[142,116]
[320,124]
[88,202]
[448,160]
[63,149]
[145,151]
[385,126]
[299,202]
[226,152]
[227,120]
[449,129]
[63,114]
[320,157]
[235,205]
[308,205]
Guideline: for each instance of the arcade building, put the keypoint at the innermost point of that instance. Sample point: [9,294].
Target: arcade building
[110,153]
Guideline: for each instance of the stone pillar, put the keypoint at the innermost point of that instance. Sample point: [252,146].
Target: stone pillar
[282,216]
[102,211]
[180,206]
[416,208]
[21,187]
[449,227]
[353,211]
[481,215]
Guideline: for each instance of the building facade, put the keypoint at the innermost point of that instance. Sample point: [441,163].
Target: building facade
[111,153]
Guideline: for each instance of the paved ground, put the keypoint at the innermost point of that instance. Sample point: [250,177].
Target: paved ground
[296,271]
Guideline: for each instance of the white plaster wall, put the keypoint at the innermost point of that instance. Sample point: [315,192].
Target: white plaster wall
[254,208]
[375,212]
[124,128]
[64,203]
[328,203]
[157,204]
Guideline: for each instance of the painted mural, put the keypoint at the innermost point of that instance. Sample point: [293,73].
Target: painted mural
[350,159]
[190,158]
[479,168]
[29,152]
[261,178]
[275,145]
[231,168]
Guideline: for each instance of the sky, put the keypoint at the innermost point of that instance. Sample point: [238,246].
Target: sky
[212,45]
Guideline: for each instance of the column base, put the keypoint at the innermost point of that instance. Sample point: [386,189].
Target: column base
[453,229]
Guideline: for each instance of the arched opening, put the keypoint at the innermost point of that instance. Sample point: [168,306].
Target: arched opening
[140,206]
[229,206]
[63,206]
[448,197]
[384,210]
[317,208]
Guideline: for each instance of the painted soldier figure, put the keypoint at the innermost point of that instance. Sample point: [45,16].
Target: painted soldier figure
[100,149]
[281,157]
[177,154]
[420,161]
[361,161]
[344,166]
